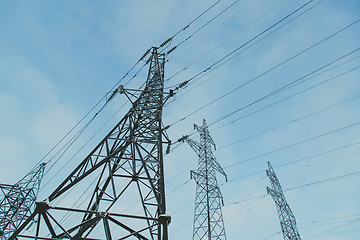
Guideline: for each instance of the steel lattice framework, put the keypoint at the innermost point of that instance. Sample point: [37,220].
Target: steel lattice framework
[130,162]
[208,219]
[286,216]
[17,201]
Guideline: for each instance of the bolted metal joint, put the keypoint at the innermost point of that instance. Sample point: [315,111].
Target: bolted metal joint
[103,214]
[42,206]
[164,219]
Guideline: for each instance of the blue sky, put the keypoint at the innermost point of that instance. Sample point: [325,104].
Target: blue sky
[58,59]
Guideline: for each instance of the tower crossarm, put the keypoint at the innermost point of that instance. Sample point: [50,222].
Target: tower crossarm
[216,166]
[194,145]
[204,132]
[200,179]
[200,149]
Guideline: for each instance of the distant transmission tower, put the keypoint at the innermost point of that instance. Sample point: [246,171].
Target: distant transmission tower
[127,166]
[17,201]
[208,219]
[286,216]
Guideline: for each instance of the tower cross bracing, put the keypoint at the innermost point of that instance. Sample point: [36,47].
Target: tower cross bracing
[208,218]
[127,165]
[17,201]
[286,216]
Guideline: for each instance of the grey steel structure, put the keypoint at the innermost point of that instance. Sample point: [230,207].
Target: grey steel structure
[17,201]
[128,167]
[286,216]
[208,219]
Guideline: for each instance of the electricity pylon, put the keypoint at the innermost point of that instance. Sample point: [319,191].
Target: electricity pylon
[127,166]
[208,219]
[286,216]
[17,201]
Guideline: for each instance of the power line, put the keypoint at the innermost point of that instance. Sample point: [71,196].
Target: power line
[295,120]
[295,144]
[325,180]
[272,235]
[203,26]
[181,85]
[300,186]
[322,153]
[215,26]
[328,221]
[302,159]
[349,221]
[286,86]
[257,48]
[176,188]
[212,67]
[293,95]
[191,22]
[271,69]
[333,228]
[263,97]
[251,186]
[217,46]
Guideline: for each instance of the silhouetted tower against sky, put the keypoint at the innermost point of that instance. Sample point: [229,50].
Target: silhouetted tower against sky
[208,219]
[125,168]
[17,201]
[286,216]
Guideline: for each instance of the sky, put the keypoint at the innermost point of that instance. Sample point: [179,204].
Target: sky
[288,93]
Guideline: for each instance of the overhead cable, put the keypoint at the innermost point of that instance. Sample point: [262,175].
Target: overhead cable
[203,26]
[188,25]
[241,46]
[271,69]
[212,67]
[301,186]
[261,98]
[295,144]
[292,121]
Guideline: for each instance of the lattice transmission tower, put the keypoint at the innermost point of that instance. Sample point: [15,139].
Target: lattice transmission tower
[208,219]
[127,166]
[286,216]
[17,201]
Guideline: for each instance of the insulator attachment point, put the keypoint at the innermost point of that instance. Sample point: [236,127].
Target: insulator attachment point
[121,89]
[164,219]
[42,206]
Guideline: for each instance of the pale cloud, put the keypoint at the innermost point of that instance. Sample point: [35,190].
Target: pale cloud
[51,124]
[34,120]
[12,158]
[36,87]
[10,109]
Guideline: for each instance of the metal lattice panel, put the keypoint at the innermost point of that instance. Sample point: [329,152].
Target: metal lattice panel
[286,216]
[130,160]
[208,219]
[17,201]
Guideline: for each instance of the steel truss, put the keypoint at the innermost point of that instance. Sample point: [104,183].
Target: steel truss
[17,201]
[208,219]
[286,216]
[129,161]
